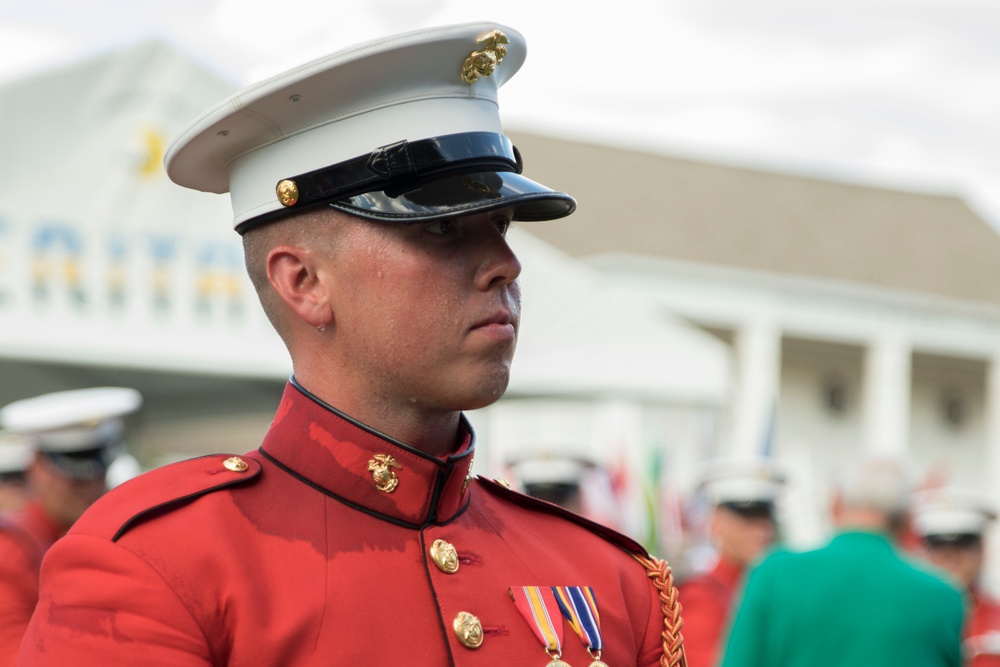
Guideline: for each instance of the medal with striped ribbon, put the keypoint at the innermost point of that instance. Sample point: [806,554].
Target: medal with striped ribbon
[538,606]
[579,606]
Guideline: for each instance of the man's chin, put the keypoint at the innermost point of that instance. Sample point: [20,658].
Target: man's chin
[488,392]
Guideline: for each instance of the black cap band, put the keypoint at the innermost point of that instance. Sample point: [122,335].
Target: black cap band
[89,464]
[751,509]
[446,176]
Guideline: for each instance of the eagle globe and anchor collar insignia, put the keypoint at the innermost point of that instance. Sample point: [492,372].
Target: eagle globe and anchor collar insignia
[381,467]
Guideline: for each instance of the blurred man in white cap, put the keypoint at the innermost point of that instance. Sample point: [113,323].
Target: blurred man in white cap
[555,479]
[951,523]
[373,189]
[16,454]
[576,483]
[74,436]
[743,493]
[857,600]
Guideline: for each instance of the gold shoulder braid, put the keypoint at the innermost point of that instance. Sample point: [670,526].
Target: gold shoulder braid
[673,642]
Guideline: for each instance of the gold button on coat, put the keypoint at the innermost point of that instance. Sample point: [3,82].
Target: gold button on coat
[469,630]
[236,464]
[444,556]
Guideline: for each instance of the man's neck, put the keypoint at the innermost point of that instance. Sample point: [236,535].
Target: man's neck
[435,433]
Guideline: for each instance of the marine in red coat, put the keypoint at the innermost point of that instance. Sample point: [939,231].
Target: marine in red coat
[300,559]
[742,492]
[982,633]
[71,437]
[373,190]
[950,522]
[25,536]
[707,600]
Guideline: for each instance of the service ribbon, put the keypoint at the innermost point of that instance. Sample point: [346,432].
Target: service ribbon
[535,603]
[579,606]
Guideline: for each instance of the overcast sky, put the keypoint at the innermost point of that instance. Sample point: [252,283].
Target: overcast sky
[904,93]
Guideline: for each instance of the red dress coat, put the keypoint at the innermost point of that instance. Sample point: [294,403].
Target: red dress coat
[982,633]
[707,599]
[25,536]
[299,559]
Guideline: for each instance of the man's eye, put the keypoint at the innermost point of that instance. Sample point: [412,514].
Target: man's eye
[441,227]
[502,226]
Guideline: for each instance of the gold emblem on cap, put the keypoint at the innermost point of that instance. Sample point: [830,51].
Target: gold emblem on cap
[288,192]
[445,556]
[482,63]
[236,464]
[469,630]
[502,482]
[383,474]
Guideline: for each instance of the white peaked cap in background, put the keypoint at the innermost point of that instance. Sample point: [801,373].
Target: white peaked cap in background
[16,452]
[73,420]
[402,128]
[550,470]
[741,480]
[952,511]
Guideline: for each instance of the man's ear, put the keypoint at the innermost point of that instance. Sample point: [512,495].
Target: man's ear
[294,274]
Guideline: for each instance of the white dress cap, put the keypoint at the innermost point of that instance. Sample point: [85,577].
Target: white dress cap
[72,421]
[952,511]
[741,480]
[16,453]
[402,128]
[551,470]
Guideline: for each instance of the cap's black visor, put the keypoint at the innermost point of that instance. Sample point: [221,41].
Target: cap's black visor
[429,179]
[459,195]
[953,541]
[753,509]
[86,465]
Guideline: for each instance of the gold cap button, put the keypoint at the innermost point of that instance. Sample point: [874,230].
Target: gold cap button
[236,464]
[469,630]
[444,556]
[288,192]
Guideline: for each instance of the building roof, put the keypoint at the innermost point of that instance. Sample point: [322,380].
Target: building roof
[681,209]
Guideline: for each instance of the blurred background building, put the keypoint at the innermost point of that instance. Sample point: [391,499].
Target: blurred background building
[688,310]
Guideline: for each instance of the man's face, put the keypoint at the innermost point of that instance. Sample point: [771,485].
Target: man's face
[964,561]
[425,315]
[741,539]
[64,498]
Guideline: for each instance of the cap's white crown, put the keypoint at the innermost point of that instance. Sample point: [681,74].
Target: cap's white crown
[741,480]
[16,452]
[550,471]
[952,511]
[347,104]
[74,420]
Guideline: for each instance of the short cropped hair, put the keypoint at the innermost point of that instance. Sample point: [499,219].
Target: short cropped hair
[881,483]
[312,228]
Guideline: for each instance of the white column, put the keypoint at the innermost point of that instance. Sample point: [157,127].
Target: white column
[758,354]
[886,392]
[991,475]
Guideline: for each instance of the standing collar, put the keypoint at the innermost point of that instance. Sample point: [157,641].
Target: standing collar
[858,537]
[366,469]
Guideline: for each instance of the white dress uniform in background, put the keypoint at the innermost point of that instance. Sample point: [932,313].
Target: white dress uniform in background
[743,493]
[16,454]
[67,440]
[951,523]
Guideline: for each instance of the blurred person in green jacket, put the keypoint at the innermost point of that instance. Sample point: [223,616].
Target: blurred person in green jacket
[856,601]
